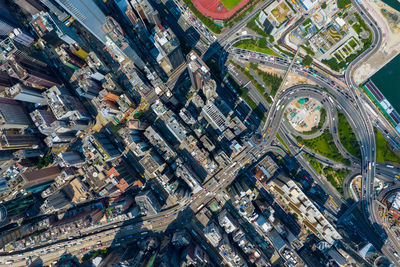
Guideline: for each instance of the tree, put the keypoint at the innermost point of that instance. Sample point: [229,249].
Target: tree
[307,60]
[262,42]
[323,5]
[343,3]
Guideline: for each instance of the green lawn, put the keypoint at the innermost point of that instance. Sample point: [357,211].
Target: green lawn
[383,152]
[347,136]
[252,45]
[229,4]
[315,163]
[324,146]
[335,176]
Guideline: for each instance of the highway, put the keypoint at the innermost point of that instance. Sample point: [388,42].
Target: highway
[353,105]
[336,96]
[368,150]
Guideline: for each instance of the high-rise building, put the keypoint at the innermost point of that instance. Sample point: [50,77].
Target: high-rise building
[33,178]
[181,238]
[19,65]
[118,45]
[53,7]
[200,75]
[87,13]
[194,255]
[131,16]
[31,72]
[89,88]
[5,80]
[12,115]
[25,93]
[31,6]
[215,117]
[169,54]
[71,158]
[21,37]
[107,148]
[18,141]
[5,26]
[27,153]
[147,13]
[148,203]
[226,220]
[48,27]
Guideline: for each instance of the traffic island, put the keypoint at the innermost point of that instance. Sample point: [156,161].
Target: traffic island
[347,136]
[383,152]
[325,146]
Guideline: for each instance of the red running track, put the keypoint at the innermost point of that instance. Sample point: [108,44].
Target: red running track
[214,9]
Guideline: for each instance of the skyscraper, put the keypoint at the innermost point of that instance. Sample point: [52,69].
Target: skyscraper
[5,26]
[169,56]
[198,70]
[25,93]
[29,71]
[31,6]
[5,80]
[61,15]
[88,14]
[19,65]
[12,115]
[118,45]
[50,28]
[21,37]
[131,16]
[18,141]
[148,203]
[200,75]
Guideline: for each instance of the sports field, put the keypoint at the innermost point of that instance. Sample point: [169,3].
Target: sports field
[219,9]
[229,4]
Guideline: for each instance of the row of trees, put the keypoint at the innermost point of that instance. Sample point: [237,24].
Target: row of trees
[256,84]
[244,94]
[207,21]
[273,81]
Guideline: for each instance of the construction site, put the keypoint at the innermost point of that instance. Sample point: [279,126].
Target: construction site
[303,114]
